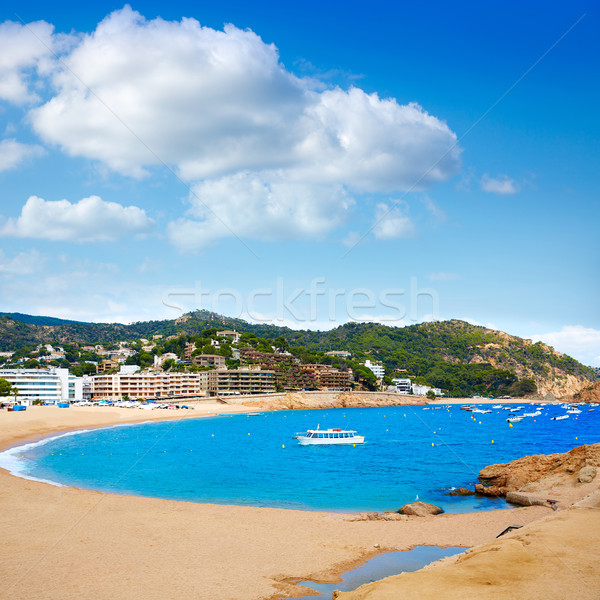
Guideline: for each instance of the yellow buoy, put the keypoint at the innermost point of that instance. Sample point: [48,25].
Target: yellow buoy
[510,425]
[283,445]
[492,441]
[480,422]
[432,444]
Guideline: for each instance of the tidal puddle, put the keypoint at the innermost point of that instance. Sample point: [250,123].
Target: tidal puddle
[384,565]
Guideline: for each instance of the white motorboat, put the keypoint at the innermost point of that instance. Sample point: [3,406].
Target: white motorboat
[328,437]
[515,419]
[561,418]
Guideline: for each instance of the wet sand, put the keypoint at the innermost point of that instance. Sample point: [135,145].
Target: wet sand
[61,542]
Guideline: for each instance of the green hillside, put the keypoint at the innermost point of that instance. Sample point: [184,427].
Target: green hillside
[460,358]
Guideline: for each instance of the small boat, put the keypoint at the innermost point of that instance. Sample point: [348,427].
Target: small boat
[497,406]
[537,413]
[574,411]
[514,419]
[328,436]
[561,418]
[467,407]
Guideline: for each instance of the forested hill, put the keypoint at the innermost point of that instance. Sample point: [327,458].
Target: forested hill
[446,354]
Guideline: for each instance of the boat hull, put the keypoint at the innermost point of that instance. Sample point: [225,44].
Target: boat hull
[305,441]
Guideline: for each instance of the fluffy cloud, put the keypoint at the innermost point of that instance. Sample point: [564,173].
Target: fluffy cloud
[89,220]
[502,185]
[391,223]
[221,109]
[24,49]
[13,153]
[266,208]
[583,343]
[217,102]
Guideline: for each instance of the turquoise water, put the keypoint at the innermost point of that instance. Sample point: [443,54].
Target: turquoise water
[384,565]
[242,460]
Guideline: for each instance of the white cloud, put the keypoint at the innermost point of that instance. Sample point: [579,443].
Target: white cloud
[502,185]
[248,205]
[391,223]
[443,276]
[24,263]
[23,50]
[582,343]
[220,108]
[217,102]
[13,153]
[89,220]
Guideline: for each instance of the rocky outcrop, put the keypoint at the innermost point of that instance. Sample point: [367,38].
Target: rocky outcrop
[420,509]
[590,393]
[538,471]
[461,491]
[587,474]
[308,400]
[523,499]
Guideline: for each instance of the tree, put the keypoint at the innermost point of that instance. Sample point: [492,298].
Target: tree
[430,394]
[5,387]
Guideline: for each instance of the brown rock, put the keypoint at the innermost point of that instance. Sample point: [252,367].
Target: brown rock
[420,509]
[461,491]
[497,480]
[522,499]
[586,475]
[588,394]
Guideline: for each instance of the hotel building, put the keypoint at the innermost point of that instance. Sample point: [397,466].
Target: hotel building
[52,384]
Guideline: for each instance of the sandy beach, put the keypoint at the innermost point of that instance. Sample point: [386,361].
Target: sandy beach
[61,542]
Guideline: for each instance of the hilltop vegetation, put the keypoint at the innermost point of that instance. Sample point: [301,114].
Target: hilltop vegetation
[458,357]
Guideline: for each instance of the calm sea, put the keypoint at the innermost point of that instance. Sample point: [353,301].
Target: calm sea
[253,460]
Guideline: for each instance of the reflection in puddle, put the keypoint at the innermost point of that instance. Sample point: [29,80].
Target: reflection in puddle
[384,565]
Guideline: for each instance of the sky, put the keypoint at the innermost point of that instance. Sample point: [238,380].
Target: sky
[304,164]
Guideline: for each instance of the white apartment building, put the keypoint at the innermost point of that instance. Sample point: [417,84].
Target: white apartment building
[421,390]
[52,384]
[403,386]
[376,367]
[148,386]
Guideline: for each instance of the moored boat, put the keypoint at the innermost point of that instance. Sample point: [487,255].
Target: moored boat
[328,437]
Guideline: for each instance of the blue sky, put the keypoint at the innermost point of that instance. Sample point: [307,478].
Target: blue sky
[303,164]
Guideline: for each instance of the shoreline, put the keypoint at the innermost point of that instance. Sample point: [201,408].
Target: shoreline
[244,552]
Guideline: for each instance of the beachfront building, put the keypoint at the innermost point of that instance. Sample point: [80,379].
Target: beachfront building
[376,367]
[335,380]
[240,381]
[149,385]
[421,390]
[402,385]
[48,385]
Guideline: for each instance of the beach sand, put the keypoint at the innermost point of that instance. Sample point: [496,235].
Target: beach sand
[61,542]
